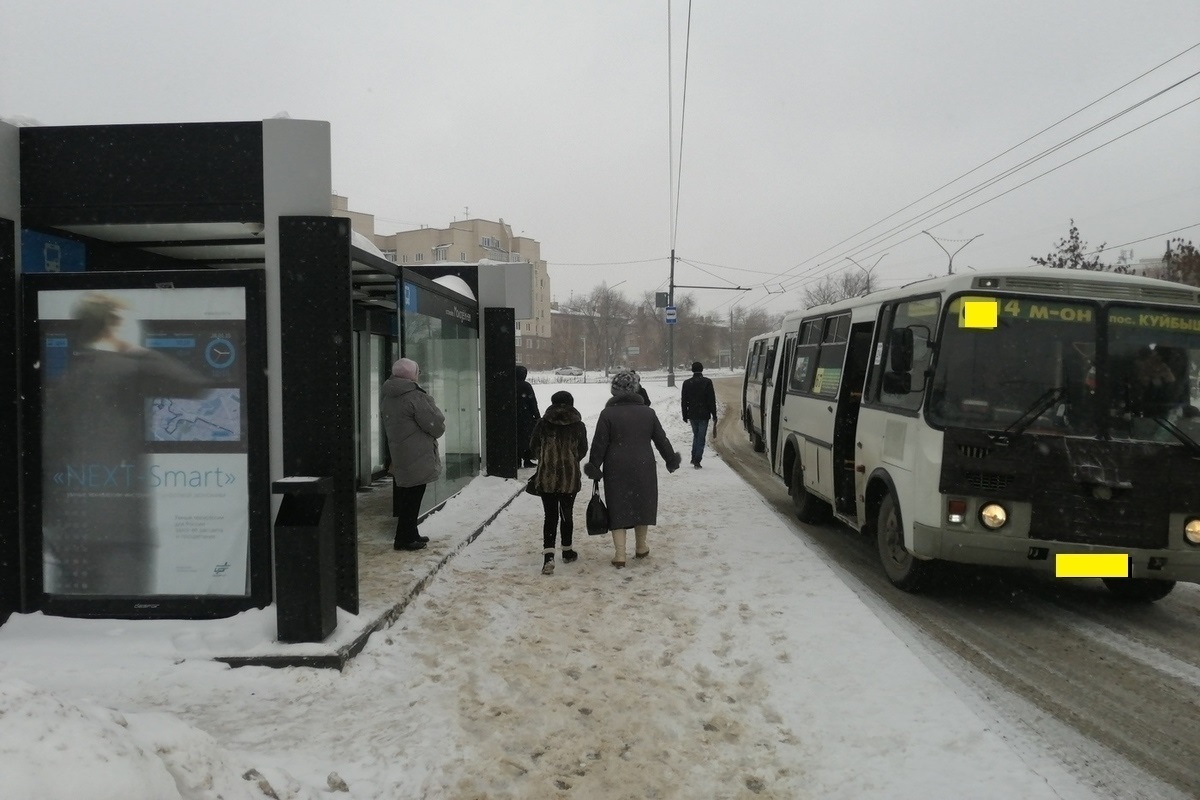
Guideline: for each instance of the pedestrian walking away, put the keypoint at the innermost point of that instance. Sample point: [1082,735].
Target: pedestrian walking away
[622,456]
[642,390]
[412,423]
[560,442]
[698,401]
[527,415]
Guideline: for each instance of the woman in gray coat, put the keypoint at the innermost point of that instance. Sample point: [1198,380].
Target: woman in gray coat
[622,456]
[413,422]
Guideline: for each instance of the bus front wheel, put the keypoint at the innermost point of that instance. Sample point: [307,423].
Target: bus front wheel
[1139,590]
[809,508]
[903,569]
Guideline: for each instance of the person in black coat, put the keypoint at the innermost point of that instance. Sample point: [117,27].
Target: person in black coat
[698,401]
[527,415]
[622,455]
[560,442]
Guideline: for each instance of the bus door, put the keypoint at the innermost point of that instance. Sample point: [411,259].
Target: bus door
[773,398]
[767,380]
[858,356]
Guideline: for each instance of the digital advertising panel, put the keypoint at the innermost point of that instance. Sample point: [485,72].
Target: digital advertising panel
[145,460]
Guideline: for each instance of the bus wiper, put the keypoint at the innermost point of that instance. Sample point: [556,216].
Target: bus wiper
[1177,432]
[1039,407]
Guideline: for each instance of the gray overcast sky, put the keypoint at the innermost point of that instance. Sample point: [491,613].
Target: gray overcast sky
[806,122]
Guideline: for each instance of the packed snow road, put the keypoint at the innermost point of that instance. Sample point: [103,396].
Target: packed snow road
[1111,690]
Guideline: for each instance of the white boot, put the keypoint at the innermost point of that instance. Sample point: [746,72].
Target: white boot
[619,547]
[641,549]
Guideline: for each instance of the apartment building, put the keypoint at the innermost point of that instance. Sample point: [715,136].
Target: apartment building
[471,241]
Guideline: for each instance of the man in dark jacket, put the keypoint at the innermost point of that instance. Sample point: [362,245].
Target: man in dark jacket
[527,415]
[699,403]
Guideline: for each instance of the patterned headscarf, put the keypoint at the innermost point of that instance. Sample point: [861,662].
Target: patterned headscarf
[625,381]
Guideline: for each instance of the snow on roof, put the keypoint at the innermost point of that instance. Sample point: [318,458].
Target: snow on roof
[363,243]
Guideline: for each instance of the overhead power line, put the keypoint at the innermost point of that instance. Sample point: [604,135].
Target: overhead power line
[962,196]
[993,159]
[606,263]
[1145,239]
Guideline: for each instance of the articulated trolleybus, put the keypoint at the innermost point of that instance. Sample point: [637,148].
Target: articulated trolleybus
[1007,418]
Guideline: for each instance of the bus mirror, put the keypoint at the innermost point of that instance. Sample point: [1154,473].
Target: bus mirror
[897,382]
[900,350]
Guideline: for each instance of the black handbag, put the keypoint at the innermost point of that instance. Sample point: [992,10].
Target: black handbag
[597,513]
[529,485]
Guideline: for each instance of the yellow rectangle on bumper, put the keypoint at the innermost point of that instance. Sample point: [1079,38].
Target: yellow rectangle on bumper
[1091,565]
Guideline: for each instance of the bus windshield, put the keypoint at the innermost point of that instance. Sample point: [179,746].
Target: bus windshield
[1000,358]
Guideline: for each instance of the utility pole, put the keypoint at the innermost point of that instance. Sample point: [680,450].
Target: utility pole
[950,266]
[731,338]
[671,328]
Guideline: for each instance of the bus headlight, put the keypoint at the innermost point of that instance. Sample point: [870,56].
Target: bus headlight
[993,516]
[1191,530]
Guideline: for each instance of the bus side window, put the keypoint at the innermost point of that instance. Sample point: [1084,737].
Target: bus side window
[833,352]
[908,343]
[807,344]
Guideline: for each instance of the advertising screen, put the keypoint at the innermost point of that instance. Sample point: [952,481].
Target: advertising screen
[144,441]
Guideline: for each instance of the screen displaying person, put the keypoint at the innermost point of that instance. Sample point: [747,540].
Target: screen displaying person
[99,534]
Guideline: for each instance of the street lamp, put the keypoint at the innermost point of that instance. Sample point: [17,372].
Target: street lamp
[867,271]
[950,267]
[584,338]
[606,335]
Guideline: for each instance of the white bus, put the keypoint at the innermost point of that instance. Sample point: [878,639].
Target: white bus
[758,389]
[1002,418]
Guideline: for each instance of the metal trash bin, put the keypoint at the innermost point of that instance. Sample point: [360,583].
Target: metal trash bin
[305,573]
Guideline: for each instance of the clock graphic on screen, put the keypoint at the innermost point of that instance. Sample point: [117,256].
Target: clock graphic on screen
[220,353]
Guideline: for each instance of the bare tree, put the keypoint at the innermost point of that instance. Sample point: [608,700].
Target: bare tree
[610,313]
[745,325]
[1071,253]
[839,286]
[1181,262]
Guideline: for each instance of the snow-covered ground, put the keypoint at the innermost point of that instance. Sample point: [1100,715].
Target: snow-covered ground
[731,663]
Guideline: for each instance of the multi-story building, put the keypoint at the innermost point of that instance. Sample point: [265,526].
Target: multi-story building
[471,241]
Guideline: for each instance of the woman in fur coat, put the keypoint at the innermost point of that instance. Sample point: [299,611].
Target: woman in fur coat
[622,455]
[559,441]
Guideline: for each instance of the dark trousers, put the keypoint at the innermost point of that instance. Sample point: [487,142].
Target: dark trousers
[699,430]
[559,510]
[406,505]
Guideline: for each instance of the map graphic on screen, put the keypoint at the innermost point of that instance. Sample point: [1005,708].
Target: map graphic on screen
[215,417]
